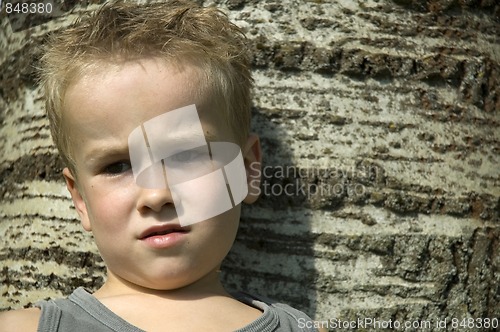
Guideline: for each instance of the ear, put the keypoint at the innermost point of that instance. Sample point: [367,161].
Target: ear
[78,201]
[252,155]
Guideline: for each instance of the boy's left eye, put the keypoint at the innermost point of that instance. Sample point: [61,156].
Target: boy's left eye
[117,168]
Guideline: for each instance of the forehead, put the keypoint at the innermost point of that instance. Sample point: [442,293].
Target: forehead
[133,90]
[106,104]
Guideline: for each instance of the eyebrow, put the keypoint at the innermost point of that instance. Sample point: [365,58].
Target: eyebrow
[110,152]
[210,137]
[104,153]
[183,136]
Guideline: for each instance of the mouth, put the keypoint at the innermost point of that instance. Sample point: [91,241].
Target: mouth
[162,230]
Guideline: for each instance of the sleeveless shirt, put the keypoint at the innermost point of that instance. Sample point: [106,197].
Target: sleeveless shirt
[82,312]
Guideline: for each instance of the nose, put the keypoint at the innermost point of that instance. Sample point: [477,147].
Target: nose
[153,200]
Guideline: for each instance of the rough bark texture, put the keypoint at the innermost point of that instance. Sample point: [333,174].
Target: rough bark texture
[379,121]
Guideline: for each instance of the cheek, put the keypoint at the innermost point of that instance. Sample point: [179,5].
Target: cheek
[221,230]
[110,206]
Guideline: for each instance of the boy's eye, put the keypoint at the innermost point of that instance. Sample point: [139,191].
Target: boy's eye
[117,168]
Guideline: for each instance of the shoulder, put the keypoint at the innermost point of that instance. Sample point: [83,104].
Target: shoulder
[290,319]
[19,320]
[302,321]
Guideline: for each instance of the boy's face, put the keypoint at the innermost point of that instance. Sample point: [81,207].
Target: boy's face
[101,110]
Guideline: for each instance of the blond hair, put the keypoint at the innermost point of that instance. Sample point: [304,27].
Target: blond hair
[172,30]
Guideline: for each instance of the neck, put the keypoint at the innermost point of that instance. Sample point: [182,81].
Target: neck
[207,286]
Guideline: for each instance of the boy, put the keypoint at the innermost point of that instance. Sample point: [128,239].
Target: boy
[139,98]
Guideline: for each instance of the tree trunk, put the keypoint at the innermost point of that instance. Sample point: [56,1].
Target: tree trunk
[380,196]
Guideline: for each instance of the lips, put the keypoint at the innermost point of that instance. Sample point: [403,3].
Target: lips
[163,230]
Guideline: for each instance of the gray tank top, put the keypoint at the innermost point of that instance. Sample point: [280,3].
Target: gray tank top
[82,312]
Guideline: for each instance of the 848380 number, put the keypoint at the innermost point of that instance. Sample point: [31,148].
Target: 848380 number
[28,8]
[475,323]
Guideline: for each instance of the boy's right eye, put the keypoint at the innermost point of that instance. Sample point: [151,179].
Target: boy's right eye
[117,168]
